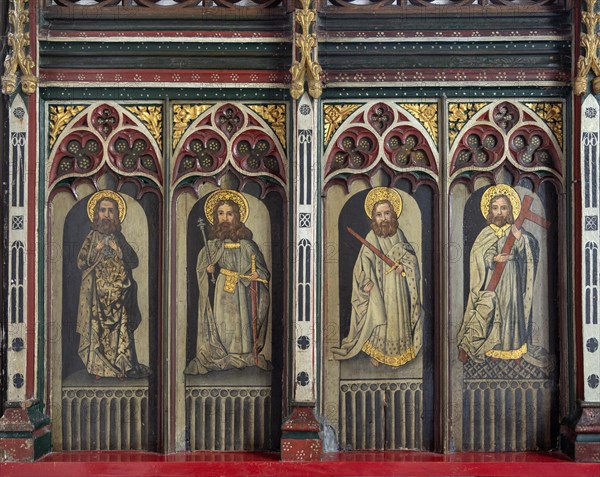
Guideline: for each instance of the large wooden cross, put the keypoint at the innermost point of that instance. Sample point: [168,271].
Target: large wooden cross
[526,214]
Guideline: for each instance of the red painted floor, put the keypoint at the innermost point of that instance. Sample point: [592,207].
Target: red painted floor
[209,464]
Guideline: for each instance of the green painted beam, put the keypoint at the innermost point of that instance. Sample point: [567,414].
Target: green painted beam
[158,94]
[436,20]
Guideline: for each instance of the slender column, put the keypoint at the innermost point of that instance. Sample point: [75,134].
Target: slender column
[590,247]
[24,429]
[16,251]
[302,424]
[580,433]
[305,277]
[581,436]
[300,433]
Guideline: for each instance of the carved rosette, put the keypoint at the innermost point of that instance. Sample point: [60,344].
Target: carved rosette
[203,151]
[255,151]
[229,136]
[507,132]
[380,134]
[479,146]
[356,149]
[105,136]
[406,149]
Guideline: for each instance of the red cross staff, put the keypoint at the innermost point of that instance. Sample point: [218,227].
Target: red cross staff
[526,214]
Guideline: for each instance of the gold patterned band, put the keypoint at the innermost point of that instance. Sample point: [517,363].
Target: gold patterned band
[508,354]
[390,360]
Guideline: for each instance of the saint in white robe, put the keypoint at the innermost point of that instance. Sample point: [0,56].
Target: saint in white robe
[497,323]
[236,333]
[386,320]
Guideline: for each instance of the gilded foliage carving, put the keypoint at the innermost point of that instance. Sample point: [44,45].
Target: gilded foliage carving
[590,42]
[458,115]
[183,115]
[18,57]
[307,67]
[427,115]
[552,115]
[59,117]
[274,115]
[335,114]
[151,116]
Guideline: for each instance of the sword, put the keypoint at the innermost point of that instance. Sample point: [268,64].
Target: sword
[387,260]
[254,298]
[202,224]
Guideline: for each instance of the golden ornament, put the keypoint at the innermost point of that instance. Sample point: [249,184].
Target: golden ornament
[383,193]
[226,194]
[107,194]
[500,189]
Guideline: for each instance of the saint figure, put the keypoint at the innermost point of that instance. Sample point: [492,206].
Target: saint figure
[386,304]
[497,322]
[108,311]
[235,333]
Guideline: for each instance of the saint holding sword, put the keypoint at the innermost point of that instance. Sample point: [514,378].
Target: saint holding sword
[233,332]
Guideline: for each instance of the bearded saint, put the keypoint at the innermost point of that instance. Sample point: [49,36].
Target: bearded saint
[497,324]
[108,311]
[386,305]
[236,333]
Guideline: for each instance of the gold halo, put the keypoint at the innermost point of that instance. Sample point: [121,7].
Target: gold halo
[501,189]
[226,194]
[383,193]
[107,194]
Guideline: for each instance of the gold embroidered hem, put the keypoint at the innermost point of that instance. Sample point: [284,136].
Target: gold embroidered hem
[509,354]
[395,361]
[231,245]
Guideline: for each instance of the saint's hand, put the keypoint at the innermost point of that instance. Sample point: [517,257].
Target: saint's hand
[400,269]
[210,268]
[502,257]
[112,244]
[367,288]
[100,246]
[516,231]
[253,276]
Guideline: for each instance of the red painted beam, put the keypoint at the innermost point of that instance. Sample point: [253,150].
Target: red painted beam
[358,464]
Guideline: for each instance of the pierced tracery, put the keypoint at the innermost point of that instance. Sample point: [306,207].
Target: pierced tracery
[383,133]
[105,136]
[229,136]
[506,132]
